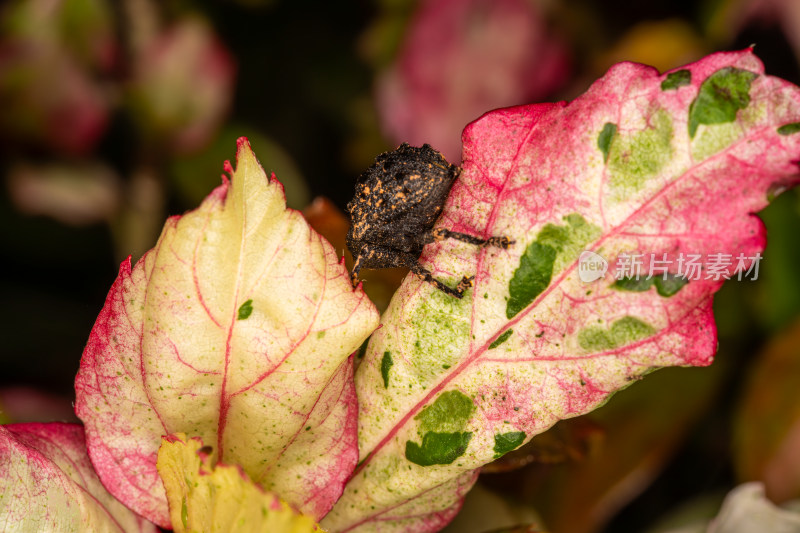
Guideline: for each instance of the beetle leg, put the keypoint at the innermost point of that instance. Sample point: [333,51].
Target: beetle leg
[356,269]
[379,257]
[440,234]
[425,275]
[499,241]
[372,256]
[465,283]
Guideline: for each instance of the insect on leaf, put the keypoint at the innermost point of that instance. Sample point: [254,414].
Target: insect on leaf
[236,328]
[642,163]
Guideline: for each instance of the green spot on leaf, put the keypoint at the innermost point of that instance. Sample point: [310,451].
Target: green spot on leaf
[633,284]
[448,414]
[605,138]
[531,277]
[665,287]
[721,95]
[623,331]
[501,339]
[438,448]
[638,155]
[505,442]
[676,79]
[553,236]
[386,365]
[555,247]
[245,310]
[628,329]
[671,285]
[595,339]
[789,129]
[441,330]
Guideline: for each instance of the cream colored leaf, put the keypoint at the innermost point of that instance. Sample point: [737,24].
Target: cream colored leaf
[237,328]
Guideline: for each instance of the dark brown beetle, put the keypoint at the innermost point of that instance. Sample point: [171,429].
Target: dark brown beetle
[398,200]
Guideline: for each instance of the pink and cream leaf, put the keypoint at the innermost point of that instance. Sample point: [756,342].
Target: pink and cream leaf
[48,484]
[237,328]
[655,166]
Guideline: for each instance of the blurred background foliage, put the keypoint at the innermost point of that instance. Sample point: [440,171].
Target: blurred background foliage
[117,113]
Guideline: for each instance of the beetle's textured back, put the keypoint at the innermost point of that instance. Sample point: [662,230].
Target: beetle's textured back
[402,192]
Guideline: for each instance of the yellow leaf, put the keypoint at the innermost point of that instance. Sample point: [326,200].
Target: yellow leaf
[208,497]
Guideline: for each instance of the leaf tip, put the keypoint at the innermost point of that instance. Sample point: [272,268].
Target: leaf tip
[125,266]
[245,155]
[242,143]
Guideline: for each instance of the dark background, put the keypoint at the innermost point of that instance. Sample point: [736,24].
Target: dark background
[302,78]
